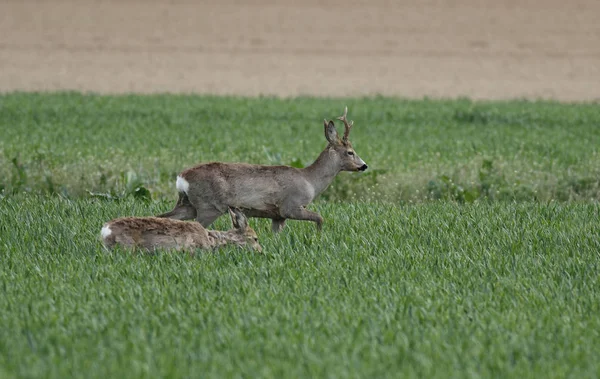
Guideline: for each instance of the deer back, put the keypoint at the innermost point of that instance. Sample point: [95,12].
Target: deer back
[151,233]
[241,185]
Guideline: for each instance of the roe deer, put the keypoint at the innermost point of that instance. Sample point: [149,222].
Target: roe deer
[152,233]
[275,192]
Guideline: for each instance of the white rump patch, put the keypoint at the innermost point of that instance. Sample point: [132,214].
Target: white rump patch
[182,184]
[105,232]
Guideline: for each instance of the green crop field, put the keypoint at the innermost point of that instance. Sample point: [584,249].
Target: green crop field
[469,248]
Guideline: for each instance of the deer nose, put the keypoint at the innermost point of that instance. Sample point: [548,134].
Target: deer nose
[363,167]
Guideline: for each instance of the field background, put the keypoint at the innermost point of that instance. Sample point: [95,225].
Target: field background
[480,49]
[417,150]
[468,249]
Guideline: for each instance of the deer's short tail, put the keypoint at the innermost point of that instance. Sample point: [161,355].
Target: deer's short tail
[184,210]
[108,238]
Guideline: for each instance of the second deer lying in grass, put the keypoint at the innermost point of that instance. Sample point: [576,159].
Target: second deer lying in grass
[275,192]
[151,233]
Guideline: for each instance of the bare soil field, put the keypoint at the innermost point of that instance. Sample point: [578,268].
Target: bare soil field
[491,49]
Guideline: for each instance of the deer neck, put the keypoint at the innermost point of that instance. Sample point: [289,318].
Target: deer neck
[322,172]
[219,238]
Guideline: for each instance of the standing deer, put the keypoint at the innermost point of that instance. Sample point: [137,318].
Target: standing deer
[151,233]
[275,192]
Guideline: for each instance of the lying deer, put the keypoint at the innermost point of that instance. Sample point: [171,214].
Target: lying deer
[275,192]
[152,233]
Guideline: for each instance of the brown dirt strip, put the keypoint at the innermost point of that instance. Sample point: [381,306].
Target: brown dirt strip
[480,49]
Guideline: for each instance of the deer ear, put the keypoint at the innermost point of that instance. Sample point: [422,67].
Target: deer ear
[238,219]
[331,133]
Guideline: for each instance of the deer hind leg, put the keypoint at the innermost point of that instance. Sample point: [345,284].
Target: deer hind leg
[277,225]
[207,214]
[301,213]
[184,210]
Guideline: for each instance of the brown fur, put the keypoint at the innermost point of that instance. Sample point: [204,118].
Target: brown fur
[151,233]
[275,192]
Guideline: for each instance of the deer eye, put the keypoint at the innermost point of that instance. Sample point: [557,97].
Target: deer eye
[350,153]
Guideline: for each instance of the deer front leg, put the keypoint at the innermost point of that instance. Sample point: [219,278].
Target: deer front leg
[301,213]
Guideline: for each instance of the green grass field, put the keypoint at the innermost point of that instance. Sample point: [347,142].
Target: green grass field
[470,247]
[416,150]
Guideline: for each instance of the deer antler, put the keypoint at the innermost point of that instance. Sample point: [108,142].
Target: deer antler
[347,124]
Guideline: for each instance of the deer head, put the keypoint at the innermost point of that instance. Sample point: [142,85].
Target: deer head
[242,233]
[349,160]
